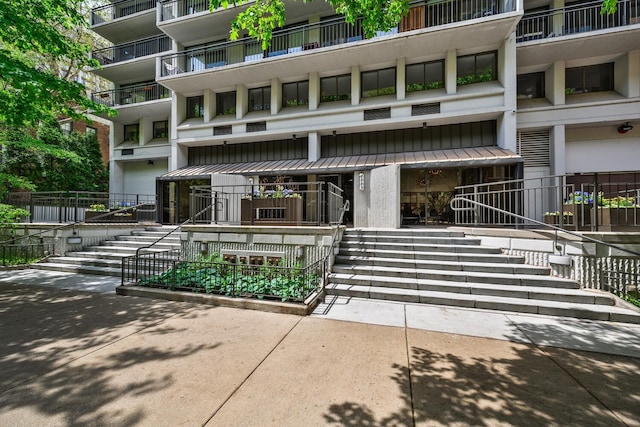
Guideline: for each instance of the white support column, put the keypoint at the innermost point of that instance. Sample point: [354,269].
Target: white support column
[209,105]
[451,71]
[555,83]
[314,146]
[401,79]
[314,91]
[276,96]
[558,150]
[178,113]
[242,101]
[355,85]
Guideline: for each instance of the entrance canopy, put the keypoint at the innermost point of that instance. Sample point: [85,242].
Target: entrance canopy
[459,157]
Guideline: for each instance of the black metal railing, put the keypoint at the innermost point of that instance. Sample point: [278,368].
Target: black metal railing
[131,95]
[299,203]
[576,18]
[78,206]
[326,33]
[596,202]
[166,270]
[177,8]
[110,12]
[23,253]
[132,50]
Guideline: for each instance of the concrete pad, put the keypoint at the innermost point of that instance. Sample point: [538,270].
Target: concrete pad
[463,321]
[326,373]
[459,380]
[362,311]
[174,373]
[61,280]
[601,337]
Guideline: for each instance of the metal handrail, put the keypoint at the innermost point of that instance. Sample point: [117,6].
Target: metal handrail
[458,199]
[138,49]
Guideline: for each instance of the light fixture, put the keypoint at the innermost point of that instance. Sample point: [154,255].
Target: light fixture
[294,136]
[624,128]
[150,162]
[224,142]
[204,247]
[424,125]
[251,181]
[334,133]
[361,181]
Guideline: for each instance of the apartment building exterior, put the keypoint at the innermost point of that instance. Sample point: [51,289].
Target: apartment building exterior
[461,92]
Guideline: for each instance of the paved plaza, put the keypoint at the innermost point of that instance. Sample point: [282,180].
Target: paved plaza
[75,354]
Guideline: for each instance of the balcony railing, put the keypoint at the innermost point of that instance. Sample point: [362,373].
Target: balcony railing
[578,18]
[121,9]
[131,95]
[324,34]
[137,49]
[176,8]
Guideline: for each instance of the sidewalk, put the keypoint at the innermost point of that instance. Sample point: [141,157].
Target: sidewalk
[93,358]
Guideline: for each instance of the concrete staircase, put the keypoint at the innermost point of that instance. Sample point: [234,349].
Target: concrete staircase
[437,266]
[106,259]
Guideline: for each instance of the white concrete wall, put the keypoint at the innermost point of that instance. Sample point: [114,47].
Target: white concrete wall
[378,205]
[140,177]
[602,149]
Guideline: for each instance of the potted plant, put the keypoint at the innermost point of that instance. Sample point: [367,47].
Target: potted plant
[617,211]
[274,205]
[579,204]
[553,218]
[96,212]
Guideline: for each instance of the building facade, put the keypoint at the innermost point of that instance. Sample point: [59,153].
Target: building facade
[461,92]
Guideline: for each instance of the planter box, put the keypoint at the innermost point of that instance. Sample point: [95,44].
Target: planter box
[92,216]
[581,214]
[555,220]
[284,211]
[618,216]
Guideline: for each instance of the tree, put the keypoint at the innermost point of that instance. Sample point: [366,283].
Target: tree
[34,35]
[264,16]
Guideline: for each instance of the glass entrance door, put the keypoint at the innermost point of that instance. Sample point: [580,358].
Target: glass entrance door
[175,199]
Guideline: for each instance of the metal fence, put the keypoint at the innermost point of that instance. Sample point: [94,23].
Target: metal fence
[598,205]
[76,206]
[296,203]
[131,95]
[176,8]
[622,282]
[23,253]
[215,276]
[109,12]
[136,49]
[576,18]
[326,33]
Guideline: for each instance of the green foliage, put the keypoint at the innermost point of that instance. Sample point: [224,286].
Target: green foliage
[415,87]
[33,35]
[10,215]
[609,7]
[51,161]
[212,275]
[262,17]
[475,78]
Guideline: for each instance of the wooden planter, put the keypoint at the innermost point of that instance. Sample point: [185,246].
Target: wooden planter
[284,211]
[555,220]
[581,214]
[618,216]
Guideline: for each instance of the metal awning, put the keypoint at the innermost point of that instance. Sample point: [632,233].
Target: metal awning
[458,157]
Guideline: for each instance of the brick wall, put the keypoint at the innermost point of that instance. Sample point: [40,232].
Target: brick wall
[102,131]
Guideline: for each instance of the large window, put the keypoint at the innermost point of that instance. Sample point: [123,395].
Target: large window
[131,132]
[592,78]
[66,128]
[226,103]
[294,94]
[425,76]
[91,131]
[260,98]
[477,68]
[161,129]
[335,88]
[195,107]
[378,82]
[531,85]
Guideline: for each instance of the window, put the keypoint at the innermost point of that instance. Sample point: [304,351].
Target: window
[225,103]
[260,99]
[425,76]
[131,132]
[378,82]
[335,88]
[531,85]
[66,128]
[294,94]
[592,78]
[161,129]
[91,132]
[477,68]
[195,107]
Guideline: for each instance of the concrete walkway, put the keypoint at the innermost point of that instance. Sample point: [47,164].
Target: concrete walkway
[76,358]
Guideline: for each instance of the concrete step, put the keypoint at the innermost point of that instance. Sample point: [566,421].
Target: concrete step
[439,256]
[80,269]
[411,241]
[111,255]
[148,239]
[94,262]
[536,306]
[126,250]
[369,233]
[487,267]
[448,248]
[488,289]
[457,276]
[134,244]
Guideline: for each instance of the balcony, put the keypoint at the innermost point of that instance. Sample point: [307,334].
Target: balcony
[125,20]
[575,19]
[576,31]
[118,61]
[430,29]
[140,96]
